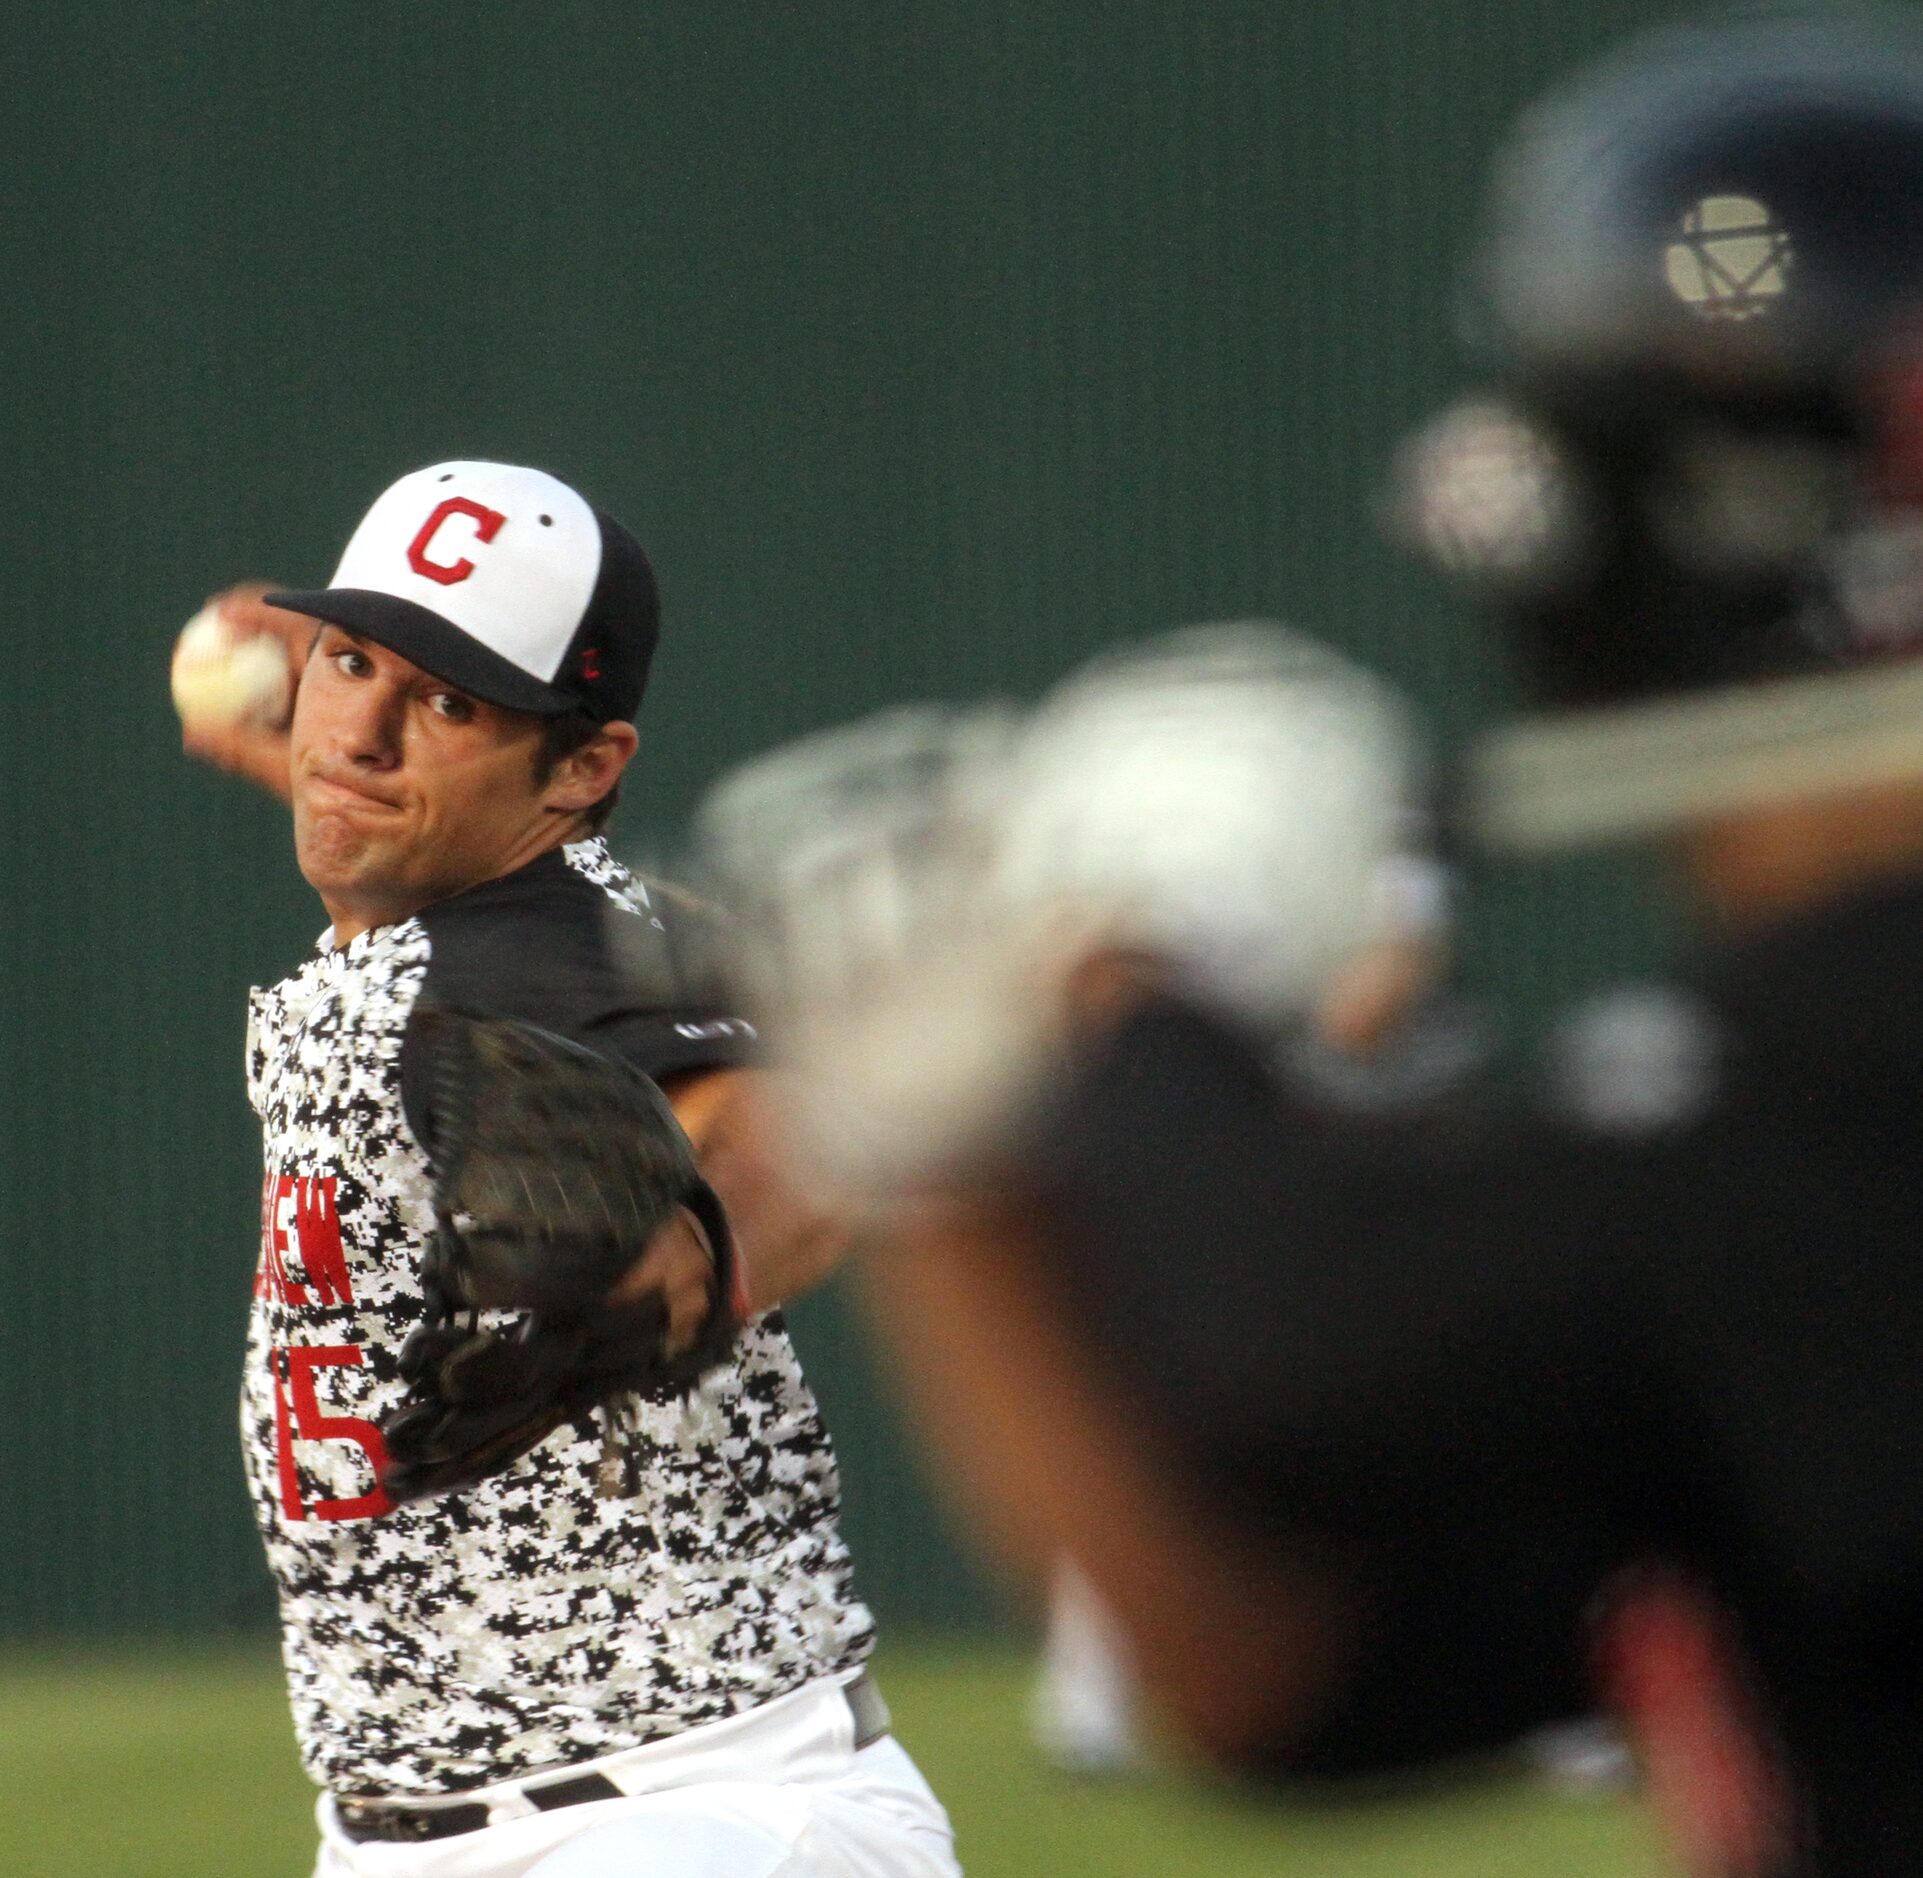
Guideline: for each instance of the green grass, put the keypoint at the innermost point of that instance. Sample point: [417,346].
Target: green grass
[175,1765]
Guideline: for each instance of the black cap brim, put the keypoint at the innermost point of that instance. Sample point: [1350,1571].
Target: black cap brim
[424,638]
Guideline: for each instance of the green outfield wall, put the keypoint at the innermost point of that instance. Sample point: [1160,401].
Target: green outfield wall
[928,347]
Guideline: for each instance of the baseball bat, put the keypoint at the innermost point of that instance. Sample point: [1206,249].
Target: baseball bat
[1544,785]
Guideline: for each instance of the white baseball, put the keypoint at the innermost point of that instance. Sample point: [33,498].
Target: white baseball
[222,676]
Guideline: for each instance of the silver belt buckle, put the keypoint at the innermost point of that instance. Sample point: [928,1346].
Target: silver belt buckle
[867,1710]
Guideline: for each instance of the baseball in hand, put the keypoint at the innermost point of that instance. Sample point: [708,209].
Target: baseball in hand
[223,677]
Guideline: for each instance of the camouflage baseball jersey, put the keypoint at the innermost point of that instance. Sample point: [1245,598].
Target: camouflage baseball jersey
[525,1622]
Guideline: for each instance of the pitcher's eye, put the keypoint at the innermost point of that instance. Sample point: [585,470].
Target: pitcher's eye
[351,662]
[452,706]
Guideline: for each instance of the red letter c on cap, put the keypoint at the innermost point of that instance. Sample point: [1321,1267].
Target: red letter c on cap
[487,524]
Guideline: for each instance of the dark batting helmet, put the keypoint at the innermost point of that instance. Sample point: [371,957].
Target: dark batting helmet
[1699,297]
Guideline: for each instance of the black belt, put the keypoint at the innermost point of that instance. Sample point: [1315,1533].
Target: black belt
[362,1820]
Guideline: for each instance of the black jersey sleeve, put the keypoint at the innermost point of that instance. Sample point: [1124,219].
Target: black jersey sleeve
[673,1009]
[551,948]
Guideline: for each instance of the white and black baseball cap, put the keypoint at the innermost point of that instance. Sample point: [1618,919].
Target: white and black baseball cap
[506,583]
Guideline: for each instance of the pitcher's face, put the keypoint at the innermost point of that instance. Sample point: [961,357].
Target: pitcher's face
[405,788]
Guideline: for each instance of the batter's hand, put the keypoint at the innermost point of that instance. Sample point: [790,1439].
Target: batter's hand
[919,895]
[258,752]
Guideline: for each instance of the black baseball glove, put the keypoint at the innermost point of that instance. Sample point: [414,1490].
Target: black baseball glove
[553,1169]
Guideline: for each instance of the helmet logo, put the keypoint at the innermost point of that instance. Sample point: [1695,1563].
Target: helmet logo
[1733,260]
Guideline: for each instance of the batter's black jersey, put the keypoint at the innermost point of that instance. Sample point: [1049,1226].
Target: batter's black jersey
[525,1622]
[1514,1358]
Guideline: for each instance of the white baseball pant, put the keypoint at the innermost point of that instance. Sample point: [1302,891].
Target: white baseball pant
[780,1792]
